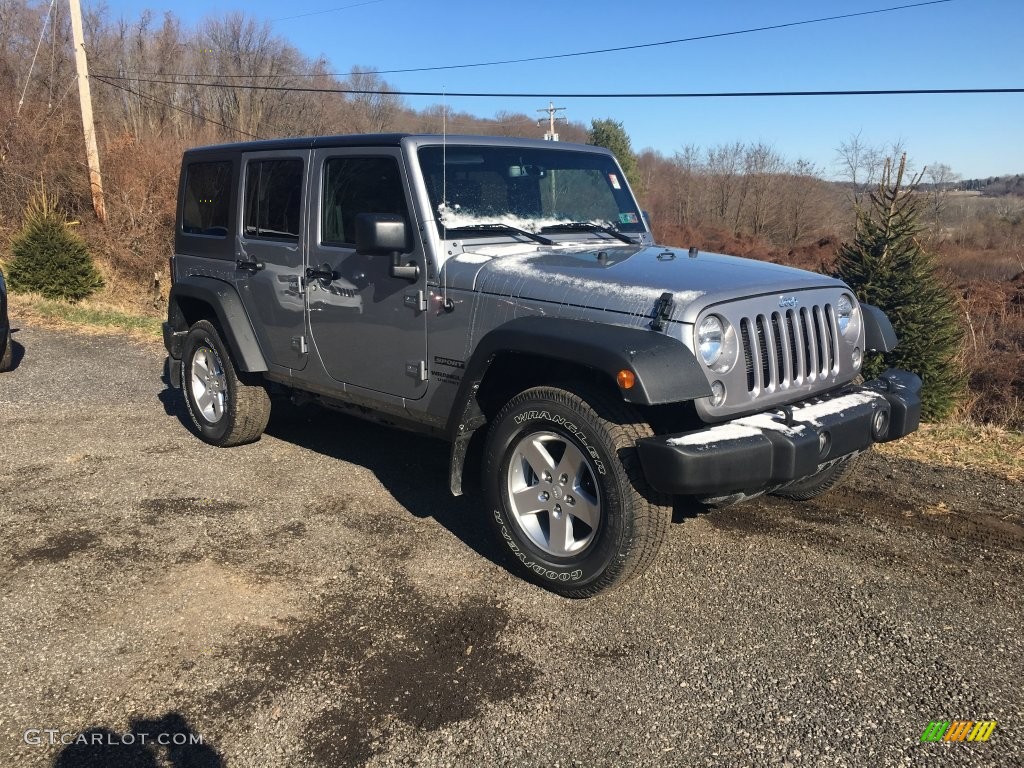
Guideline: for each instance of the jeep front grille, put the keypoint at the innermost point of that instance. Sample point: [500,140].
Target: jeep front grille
[790,347]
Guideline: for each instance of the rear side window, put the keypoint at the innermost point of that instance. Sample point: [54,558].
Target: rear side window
[207,202]
[273,199]
[354,185]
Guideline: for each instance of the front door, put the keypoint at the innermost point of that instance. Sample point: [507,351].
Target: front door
[366,325]
[271,252]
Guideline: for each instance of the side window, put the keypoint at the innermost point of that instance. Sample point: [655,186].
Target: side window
[354,185]
[207,203]
[273,199]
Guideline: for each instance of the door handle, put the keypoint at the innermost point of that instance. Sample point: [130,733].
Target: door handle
[323,272]
[249,266]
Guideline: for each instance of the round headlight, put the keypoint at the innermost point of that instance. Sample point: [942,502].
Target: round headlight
[845,312]
[710,339]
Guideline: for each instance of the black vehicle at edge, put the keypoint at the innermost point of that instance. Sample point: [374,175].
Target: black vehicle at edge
[6,344]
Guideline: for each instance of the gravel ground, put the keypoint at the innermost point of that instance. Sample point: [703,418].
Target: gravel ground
[318,599]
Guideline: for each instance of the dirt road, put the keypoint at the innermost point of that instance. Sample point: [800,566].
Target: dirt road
[318,599]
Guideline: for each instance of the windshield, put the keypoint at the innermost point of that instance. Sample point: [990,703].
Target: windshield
[473,187]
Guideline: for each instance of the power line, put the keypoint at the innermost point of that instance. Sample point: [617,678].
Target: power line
[468,122]
[680,95]
[618,49]
[204,118]
[329,10]
[32,66]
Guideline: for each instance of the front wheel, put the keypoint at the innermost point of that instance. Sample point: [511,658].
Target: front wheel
[227,407]
[822,482]
[566,492]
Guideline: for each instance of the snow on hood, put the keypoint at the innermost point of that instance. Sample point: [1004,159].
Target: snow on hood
[618,277]
[453,218]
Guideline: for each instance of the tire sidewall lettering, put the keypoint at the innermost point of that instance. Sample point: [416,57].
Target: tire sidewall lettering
[560,421]
[573,575]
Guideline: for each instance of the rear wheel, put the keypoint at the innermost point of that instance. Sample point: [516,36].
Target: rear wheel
[227,406]
[567,496]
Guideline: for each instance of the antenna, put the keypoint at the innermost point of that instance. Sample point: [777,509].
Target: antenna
[447,303]
[444,163]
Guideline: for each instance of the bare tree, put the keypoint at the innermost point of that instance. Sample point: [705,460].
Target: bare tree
[801,198]
[941,180]
[761,168]
[374,110]
[689,186]
[858,164]
[723,166]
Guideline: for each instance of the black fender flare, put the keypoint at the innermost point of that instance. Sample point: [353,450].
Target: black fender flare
[231,316]
[665,370]
[879,335]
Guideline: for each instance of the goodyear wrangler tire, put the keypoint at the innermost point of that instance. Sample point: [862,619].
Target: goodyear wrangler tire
[566,495]
[226,407]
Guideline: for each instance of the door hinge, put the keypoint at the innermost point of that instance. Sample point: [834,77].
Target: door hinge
[417,369]
[416,300]
[299,344]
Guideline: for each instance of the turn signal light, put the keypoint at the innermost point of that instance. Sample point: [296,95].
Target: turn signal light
[626,378]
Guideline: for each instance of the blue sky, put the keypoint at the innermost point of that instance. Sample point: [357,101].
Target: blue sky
[957,44]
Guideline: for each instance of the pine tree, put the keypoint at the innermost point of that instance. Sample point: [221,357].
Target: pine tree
[49,258]
[886,266]
[610,134]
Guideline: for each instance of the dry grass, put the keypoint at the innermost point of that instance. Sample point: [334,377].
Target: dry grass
[964,445]
[90,316]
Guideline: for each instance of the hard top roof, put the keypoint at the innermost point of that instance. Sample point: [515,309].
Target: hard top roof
[381,140]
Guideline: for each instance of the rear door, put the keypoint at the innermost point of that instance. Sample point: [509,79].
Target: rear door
[271,252]
[366,326]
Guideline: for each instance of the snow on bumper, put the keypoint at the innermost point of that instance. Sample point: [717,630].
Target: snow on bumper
[784,445]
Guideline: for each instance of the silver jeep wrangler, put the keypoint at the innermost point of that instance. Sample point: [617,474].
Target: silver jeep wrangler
[511,291]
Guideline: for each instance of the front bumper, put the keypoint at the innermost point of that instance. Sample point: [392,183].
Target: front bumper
[778,447]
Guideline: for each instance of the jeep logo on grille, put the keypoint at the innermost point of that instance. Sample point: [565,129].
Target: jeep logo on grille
[789,302]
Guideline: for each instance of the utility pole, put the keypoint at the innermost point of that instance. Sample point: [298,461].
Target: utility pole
[85,97]
[551,120]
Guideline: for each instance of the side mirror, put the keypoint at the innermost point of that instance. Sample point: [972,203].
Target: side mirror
[383,234]
[380,234]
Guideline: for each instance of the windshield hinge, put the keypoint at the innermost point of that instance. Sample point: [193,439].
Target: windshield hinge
[662,311]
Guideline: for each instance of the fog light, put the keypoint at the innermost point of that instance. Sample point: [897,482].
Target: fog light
[858,358]
[880,424]
[717,393]
[824,444]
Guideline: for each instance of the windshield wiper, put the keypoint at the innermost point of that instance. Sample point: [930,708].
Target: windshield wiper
[589,226]
[498,227]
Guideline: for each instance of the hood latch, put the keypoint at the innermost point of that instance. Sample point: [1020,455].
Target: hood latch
[662,311]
